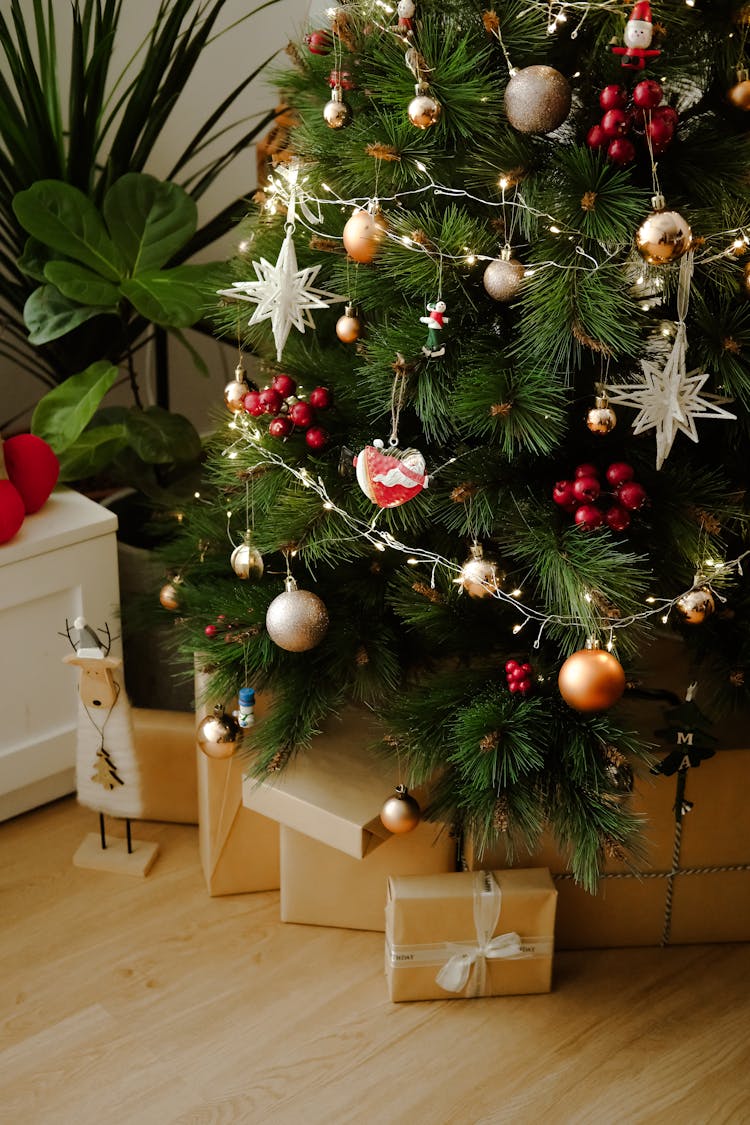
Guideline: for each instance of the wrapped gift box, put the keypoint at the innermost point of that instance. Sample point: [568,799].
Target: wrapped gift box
[165,752]
[469,934]
[322,886]
[706,906]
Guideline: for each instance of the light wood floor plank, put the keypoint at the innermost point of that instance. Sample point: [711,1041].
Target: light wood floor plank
[130,1002]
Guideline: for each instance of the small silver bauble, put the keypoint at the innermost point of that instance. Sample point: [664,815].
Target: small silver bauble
[664,236]
[424,110]
[503,278]
[296,620]
[218,734]
[336,112]
[479,576]
[694,607]
[247,561]
[537,99]
[601,419]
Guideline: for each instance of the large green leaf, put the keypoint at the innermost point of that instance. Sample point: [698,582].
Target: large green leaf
[159,437]
[92,452]
[62,217]
[63,414]
[79,284]
[34,258]
[149,221]
[174,298]
[49,315]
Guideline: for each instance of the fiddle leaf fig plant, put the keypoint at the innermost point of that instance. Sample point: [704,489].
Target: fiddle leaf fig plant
[110,263]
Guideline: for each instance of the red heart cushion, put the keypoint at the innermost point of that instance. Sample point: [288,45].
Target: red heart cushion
[33,469]
[12,511]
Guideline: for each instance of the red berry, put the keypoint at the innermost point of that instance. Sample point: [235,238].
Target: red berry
[321,398]
[615,122]
[222,617]
[613,97]
[589,517]
[511,665]
[621,151]
[562,493]
[514,687]
[252,404]
[12,510]
[285,385]
[210,630]
[270,400]
[586,470]
[316,437]
[319,42]
[618,472]
[516,675]
[666,113]
[647,94]
[524,687]
[632,495]
[302,414]
[526,668]
[660,131]
[596,137]
[617,518]
[586,488]
[280,427]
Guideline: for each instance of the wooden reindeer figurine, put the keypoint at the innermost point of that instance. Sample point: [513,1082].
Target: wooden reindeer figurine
[107,775]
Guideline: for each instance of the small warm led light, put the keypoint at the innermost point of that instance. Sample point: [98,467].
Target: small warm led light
[470,259]
[233,455]
[554,229]
[516,593]
[406,240]
[517,628]
[665,619]
[587,597]
[504,182]
[422,167]
[650,600]
[328,506]
[197,495]
[413,562]
[380,546]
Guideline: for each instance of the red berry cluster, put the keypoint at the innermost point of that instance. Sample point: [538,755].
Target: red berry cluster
[578,496]
[646,117]
[341,78]
[319,42]
[519,677]
[290,410]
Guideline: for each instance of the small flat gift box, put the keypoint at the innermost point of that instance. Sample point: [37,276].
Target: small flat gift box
[469,933]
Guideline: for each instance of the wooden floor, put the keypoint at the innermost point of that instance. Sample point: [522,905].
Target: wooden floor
[145,1001]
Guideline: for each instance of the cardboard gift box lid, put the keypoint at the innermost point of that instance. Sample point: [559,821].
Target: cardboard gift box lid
[334,791]
[438,924]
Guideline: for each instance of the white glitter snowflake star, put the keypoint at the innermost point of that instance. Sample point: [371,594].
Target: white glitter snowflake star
[284,294]
[669,400]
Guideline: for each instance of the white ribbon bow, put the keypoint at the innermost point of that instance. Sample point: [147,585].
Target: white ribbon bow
[455,973]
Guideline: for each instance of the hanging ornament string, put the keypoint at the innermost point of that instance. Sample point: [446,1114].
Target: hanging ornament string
[398,390]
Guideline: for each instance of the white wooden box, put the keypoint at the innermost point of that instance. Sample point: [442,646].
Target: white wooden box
[62,563]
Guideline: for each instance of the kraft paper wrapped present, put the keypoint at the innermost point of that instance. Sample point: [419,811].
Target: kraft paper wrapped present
[322,886]
[165,752]
[335,790]
[481,933]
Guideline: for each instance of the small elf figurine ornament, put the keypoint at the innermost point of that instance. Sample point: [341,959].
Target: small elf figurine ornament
[637,38]
[406,10]
[434,320]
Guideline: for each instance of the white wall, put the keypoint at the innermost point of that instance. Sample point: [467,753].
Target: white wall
[222,66]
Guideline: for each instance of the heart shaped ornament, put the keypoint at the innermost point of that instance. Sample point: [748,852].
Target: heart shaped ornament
[390,479]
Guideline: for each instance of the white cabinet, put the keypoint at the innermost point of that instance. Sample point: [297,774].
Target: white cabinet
[62,563]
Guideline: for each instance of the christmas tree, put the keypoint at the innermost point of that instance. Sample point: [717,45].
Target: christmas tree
[495,282]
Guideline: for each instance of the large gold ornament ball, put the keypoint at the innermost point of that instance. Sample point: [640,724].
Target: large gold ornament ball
[169,596]
[663,237]
[591,680]
[479,577]
[297,620]
[537,99]
[336,114]
[694,607]
[349,327]
[503,278]
[424,111]
[219,734]
[601,419]
[247,562]
[401,812]
[363,235]
[739,95]
[234,395]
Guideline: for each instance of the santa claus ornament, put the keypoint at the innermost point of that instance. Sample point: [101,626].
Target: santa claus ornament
[390,478]
[637,38]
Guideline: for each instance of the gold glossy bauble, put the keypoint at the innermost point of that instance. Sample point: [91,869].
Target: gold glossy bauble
[694,607]
[296,620]
[479,576]
[537,99]
[219,734]
[739,95]
[349,326]
[503,278]
[247,562]
[424,111]
[234,395]
[401,812]
[363,235]
[601,419]
[169,595]
[337,114]
[591,680]
[663,236]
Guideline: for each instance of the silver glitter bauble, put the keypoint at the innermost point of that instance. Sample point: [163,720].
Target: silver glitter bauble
[664,236]
[479,576]
[537,99]
[219,734]
[296,620]
[424,111]
[336,112]
[601,419]
[694,607]
[247,561]
[503,278]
